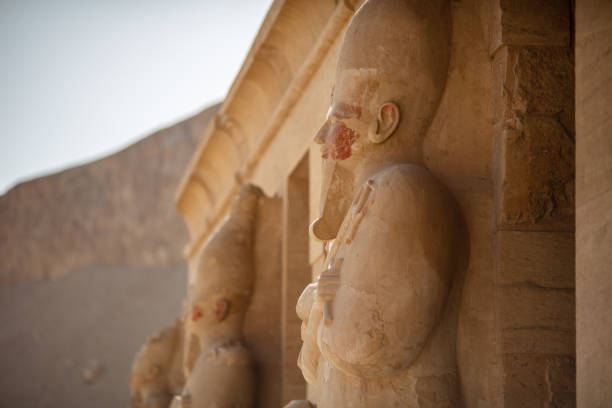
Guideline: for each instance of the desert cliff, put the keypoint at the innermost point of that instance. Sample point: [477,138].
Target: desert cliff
[116,211]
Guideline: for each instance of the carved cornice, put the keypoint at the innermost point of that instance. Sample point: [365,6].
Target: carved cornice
[289,49]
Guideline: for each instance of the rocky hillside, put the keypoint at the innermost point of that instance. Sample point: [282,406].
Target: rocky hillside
[114,212]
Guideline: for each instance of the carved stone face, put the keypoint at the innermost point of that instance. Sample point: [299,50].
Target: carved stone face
[207,312]
[337,134]
[343,136]
[345,144]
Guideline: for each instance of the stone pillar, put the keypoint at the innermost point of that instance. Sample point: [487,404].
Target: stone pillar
[262,323]
[594,202]
[296,275]
[535,202]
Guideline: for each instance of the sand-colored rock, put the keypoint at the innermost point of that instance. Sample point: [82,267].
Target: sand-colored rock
[114,212]
[103,231]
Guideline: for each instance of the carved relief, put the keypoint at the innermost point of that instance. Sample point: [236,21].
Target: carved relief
[379,323]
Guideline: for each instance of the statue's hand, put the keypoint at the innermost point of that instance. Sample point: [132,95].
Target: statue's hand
[309,311]
[327,286]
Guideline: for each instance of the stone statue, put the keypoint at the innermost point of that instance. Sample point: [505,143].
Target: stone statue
[157,373]
[222,375]
[379,323]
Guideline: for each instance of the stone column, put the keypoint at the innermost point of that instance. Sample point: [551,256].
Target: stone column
[594,202]
[296,275]
[535,202]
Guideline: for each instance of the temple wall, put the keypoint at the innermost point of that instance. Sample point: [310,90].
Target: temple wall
[594,202]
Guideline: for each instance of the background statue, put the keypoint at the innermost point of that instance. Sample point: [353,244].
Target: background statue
[222,375]
[157,373]
[379,324]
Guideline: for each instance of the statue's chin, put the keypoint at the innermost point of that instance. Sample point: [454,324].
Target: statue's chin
[322,230]
[336,195]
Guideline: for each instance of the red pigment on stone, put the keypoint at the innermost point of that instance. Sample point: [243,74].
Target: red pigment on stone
[196,314]
[338,142]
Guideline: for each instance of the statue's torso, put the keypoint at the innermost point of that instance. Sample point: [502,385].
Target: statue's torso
[377,350]
[222,377]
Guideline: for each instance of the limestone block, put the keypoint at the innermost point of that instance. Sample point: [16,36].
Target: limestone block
[536,165]
[539,381]
[537,320]
[537,185]
[540,81]
[535,294]
[537,259]
[529,22]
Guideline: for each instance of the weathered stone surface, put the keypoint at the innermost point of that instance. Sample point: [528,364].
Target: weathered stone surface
[536,281]
[538,180]
[594,202]
[537,320]
[539,381]
[539,259]
[537,159]
[532,22]
[540,82]
[117,211]
[535,209]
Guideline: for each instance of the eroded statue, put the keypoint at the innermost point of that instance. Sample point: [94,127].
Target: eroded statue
[379,323]
[157,374]
[222,375]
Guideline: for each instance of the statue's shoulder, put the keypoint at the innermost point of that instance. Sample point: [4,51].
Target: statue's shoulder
[403,175]
[405,186]
[407,199]
[233,355]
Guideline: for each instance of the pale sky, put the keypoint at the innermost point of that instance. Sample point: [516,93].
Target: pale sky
[80,79]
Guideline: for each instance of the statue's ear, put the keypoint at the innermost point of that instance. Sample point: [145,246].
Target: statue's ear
[221,309]
[385,124]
